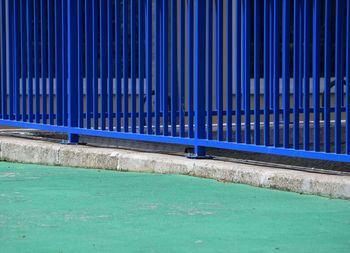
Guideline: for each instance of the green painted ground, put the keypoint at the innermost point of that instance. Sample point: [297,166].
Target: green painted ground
[50,209]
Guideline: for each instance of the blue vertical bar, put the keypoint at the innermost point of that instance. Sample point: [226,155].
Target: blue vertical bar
[36,60]
[165,66]
[110,56]
[2,65]
[51,57]
[267,77]
[80,67]
[95,63]
[2,14]
[306,96]
[238,71]
[219,68]
[161,59]
[64,63]
[343,87]
[229,71]
[16,55]
[199,77]
[276,61]
[72,63]
[23,59]
[133,65]
[3,61]
[10,59]
[1,83]
[271,47]
[338,75]
[88,61]
[182,70]
[257,39]
[158,70]
[285,71]
[173,66]
[301,53]
[316,73]
[243,7]
[246,71]
[118,65]
[2,116]
[1,72]
[209,68]
[327,76]
[103,63]
[296,74]
[43,13]
[149,64]
[125,66]
[141,61]
[348,78]
[58,63]
[190,66]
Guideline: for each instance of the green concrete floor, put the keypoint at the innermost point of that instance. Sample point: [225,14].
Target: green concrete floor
[52,209]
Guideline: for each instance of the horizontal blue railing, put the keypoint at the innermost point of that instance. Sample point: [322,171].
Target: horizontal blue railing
[267,76]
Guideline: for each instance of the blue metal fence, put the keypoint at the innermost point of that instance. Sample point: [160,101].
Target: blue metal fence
[267,76]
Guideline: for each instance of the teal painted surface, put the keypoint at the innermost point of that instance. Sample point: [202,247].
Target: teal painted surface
[52,209]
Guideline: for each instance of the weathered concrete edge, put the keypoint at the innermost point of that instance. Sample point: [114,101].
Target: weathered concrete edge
[47,153]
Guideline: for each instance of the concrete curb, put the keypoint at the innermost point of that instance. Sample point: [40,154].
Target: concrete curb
[40,152]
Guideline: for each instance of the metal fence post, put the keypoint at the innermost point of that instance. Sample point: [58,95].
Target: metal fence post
[72,70]
[3,54]
[199,76]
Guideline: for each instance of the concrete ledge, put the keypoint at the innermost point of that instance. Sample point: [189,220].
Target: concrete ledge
[40,152]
